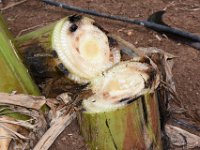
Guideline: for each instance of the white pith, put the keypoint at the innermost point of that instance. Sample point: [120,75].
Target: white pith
[73,53]
[125,80]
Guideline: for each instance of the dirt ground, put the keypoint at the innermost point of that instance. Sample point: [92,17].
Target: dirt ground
[183,14]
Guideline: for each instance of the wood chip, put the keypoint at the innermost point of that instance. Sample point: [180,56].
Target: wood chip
[33,102]
[182,138]
[54,131]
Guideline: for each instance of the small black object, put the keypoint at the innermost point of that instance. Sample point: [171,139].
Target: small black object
[54,54]
[73,28]
[75,18]
[157,18]
[62,68]
[125,99]
[112,42]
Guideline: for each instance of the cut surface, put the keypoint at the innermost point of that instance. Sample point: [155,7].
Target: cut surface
[82,47]
[126,79]
[120,84]
[90,50]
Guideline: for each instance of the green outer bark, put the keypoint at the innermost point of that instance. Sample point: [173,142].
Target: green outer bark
[135,126]
[47,30]
[14,76]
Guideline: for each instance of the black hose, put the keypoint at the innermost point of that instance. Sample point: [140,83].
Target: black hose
[148,24]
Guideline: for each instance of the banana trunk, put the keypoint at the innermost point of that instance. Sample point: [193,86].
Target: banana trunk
[123,112]
[135,126]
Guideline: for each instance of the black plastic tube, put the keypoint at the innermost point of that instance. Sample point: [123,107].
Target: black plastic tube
[148,24]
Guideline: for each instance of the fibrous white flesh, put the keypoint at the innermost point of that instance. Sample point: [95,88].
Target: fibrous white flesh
[97,104]
[84,52]
[125,80]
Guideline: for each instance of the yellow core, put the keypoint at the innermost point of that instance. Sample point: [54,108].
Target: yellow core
[90,50]
[113,86]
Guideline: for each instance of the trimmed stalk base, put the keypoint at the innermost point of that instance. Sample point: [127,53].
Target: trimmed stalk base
[135,126]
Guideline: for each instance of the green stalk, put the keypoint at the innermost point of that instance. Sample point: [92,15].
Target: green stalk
[14,75]
[135,126]
[35,35]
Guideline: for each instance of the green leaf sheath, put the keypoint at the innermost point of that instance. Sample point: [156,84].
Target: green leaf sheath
[13,74]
